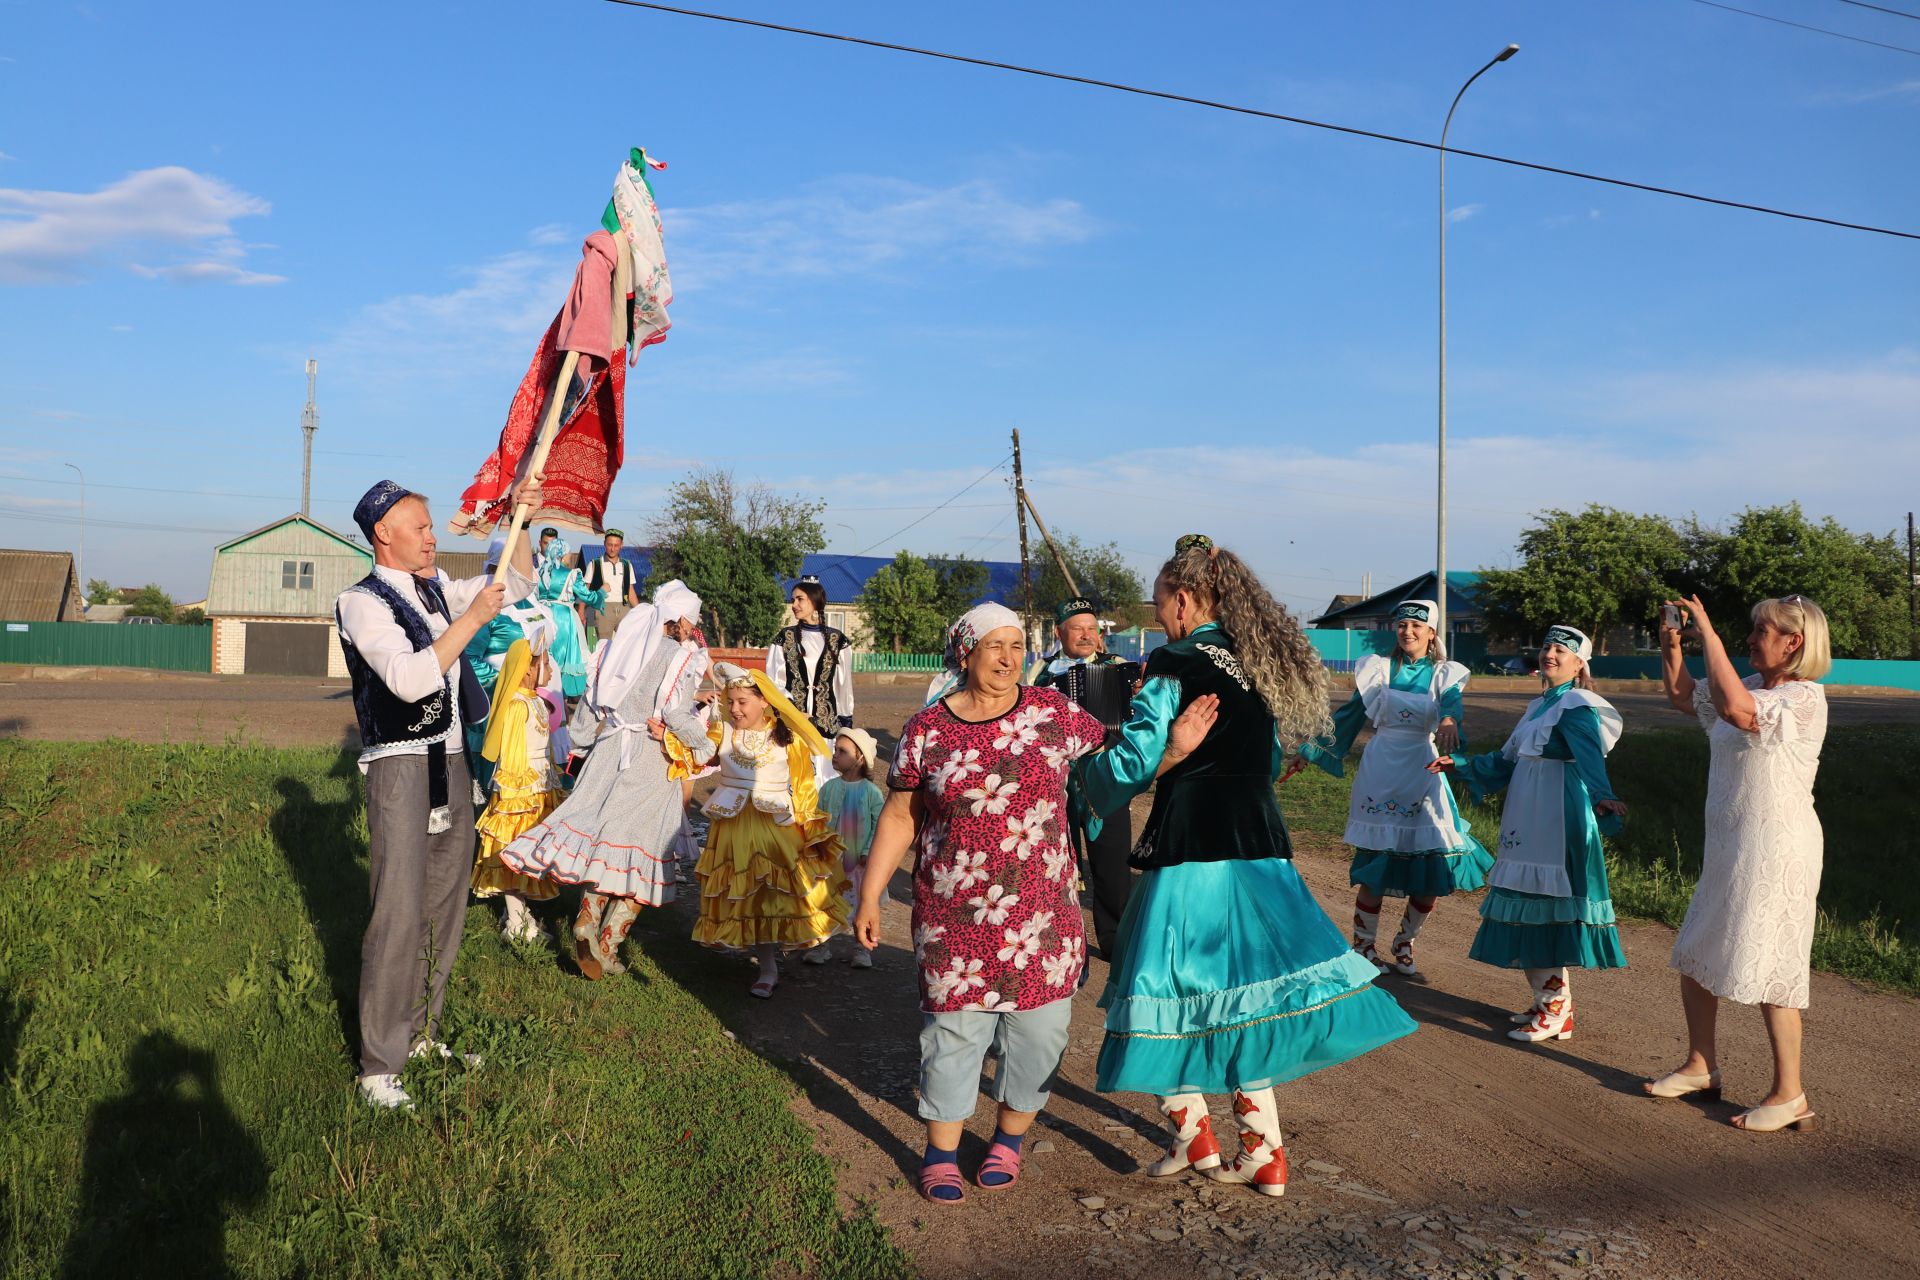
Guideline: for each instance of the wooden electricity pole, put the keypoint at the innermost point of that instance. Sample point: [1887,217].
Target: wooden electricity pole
[1020,509]
[1913,597]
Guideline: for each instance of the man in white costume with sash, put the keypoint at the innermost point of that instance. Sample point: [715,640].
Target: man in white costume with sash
[1548,908]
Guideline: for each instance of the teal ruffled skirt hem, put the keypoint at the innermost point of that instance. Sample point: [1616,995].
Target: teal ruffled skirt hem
[1231,976]
[1434,874]
[1530,931]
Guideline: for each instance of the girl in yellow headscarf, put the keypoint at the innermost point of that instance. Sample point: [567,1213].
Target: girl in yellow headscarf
[522,793]
[770,876]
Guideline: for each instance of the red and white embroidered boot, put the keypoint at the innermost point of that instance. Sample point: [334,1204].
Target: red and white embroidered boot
[1409,930]
[1262,1160]
[586,934]
[1537,981]
[1553,1019]
[1366,927]
[1193,1145]
[613,931]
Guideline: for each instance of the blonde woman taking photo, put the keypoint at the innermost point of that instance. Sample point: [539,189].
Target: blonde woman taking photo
[1748,935]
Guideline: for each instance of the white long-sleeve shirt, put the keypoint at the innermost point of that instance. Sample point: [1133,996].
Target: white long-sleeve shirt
[369,626]
[812,645]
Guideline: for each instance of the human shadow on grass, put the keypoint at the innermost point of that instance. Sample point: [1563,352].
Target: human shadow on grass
[326,854]
[14,1011]
[165,1162]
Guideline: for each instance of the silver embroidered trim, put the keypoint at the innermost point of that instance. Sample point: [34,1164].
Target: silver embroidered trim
[1224,659]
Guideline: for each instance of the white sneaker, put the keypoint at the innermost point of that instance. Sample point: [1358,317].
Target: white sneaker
[426,1048]
[384,1091]
[862,959]
[821,954]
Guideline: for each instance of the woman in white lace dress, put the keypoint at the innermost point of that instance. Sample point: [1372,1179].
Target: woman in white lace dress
[1748,935]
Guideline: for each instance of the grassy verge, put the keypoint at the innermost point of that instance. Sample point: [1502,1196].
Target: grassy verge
[1869,900]
[179,947]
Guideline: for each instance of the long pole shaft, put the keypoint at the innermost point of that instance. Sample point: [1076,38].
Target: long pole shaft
[549,427]
[1046,537]
[1020,509]
[1913,597]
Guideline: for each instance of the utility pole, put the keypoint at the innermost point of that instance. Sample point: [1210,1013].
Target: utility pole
[309,423]
[1020,509]
[1913,597]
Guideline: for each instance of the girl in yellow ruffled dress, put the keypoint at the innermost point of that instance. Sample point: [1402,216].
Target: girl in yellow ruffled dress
[770,876]
[522,793]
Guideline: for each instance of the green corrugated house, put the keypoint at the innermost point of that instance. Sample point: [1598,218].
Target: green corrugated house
[271,598]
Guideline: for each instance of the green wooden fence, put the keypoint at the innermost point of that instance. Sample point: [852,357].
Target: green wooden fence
[104,644]
[924,663]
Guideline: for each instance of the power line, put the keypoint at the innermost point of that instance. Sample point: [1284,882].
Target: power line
[1289,119]
[1880,8]
[95,522]
[1837,35]
[925,516]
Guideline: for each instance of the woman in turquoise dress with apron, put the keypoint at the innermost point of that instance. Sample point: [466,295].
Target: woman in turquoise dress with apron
[562,589]
[1548,909]
[1228,975]
[1409,840]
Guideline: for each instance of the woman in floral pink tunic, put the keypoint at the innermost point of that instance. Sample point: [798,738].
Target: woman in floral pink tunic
[981,776]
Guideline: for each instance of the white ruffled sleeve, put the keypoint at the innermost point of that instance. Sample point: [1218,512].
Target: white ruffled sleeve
[1703,704]
[1788,713]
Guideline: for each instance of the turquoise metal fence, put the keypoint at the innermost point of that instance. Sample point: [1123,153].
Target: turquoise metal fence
[1343,650]
[1865,672]
[924,663]
[102,644]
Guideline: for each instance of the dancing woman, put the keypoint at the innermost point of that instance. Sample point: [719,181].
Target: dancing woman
[812,663]
[1229,976]
[1549,909]
[1409,840]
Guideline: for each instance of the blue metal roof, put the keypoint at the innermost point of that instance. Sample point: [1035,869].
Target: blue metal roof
[843,577]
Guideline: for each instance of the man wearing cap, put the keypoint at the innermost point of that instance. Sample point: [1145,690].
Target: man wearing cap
[402,631]
[1103,684]
[612,574]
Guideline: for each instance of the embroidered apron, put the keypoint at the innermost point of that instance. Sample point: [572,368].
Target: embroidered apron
[1532,857]
[1397,805]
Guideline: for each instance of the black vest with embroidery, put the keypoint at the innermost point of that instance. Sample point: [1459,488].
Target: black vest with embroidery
[386,720]
[1218,803]
[824,714]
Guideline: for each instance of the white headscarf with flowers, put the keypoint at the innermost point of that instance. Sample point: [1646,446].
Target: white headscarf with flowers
[962,638]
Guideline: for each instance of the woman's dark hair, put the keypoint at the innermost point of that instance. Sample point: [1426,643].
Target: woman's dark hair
[816,593]
[781,735]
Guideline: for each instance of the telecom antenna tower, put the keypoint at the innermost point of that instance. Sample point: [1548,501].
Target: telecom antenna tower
[309,423]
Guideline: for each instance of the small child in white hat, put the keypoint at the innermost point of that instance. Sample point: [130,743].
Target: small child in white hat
[852,801]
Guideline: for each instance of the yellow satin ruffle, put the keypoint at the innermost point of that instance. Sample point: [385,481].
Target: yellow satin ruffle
[764,883]
[520,802]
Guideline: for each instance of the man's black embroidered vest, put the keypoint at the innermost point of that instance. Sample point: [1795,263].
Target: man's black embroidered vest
[1218,803]
[820,705]
[385,720]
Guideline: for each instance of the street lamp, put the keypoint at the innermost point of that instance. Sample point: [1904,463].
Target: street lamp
[1440,538]
[80,571]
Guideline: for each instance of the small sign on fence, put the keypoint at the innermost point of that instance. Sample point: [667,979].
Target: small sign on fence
[16,626]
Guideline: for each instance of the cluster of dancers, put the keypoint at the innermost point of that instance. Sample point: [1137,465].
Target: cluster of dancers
[1225,977]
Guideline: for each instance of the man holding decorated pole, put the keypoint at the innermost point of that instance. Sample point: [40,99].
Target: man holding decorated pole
[402,631]
[1102,683]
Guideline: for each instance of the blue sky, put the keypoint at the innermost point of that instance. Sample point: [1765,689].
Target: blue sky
[882,264]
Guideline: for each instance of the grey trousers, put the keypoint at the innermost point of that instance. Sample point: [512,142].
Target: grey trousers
[419,886]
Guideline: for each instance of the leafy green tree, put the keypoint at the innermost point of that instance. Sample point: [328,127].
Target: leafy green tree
[150,602]
[1598,568]
[1858,580]
[901,603]
[100,591]
[194,617]
[731,544]
[963,583]
[1102,573]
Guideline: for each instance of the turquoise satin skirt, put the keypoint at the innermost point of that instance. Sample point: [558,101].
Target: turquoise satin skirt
[1231,976]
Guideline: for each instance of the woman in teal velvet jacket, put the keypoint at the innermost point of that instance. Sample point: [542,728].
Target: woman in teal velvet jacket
[1548,909]
[1228,975]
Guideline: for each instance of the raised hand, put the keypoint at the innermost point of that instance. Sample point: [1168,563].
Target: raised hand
[1191,729]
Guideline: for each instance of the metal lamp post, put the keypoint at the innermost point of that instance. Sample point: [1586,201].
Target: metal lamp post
[1440,536]
[81,571]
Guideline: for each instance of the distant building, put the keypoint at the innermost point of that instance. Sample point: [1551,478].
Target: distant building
[271,599]
[1375,613]
[40,586]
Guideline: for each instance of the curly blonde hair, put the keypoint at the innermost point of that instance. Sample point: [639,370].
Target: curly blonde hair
[1285,668]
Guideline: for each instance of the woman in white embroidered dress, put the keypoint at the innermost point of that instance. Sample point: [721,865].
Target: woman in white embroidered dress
[1748,935]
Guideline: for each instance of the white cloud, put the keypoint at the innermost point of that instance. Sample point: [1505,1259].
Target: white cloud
[53,237]
[865,225]
[205,273]
[552,233]
[18,500]
[1461,212]
[1851,97]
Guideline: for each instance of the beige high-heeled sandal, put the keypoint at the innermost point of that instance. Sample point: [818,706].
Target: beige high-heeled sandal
[1674,1084]
[1783,1115]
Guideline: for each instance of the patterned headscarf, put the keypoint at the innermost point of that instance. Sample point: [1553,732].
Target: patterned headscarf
[1572,639]
[963,637]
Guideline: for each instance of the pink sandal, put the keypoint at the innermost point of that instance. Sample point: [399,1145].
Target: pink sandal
[944,1174]
[1000,1159]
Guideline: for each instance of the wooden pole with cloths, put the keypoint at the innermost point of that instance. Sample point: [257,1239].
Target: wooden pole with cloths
[549,428]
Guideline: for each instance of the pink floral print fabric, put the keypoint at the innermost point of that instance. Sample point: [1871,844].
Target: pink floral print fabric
[996,917]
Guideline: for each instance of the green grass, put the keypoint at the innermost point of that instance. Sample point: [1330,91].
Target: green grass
[179,938]
[1869,899]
